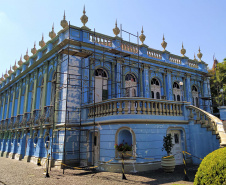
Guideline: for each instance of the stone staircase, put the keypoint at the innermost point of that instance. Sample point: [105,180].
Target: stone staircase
[208,121]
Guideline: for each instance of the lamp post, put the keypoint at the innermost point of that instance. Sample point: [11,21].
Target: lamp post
[181,89]
[222,92]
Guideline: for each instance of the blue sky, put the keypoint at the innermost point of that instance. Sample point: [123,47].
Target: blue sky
[193,22]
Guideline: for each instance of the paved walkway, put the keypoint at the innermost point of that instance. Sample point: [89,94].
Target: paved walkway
[18,172]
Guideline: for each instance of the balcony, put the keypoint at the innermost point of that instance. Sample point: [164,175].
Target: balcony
[27,119]
[135,106]
[36,117]
[47,116]
[18,122]
[2,124]
[12,122]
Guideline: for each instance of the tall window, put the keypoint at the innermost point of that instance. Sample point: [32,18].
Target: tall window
[155,89]
[53,88]
[101,85]
[177,92]
[41,93]
[195,96]
[130,85]
[31,95]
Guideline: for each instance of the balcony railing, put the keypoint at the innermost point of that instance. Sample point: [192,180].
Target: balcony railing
[27,119]
[145,106]
[2,124]
[12,122]
[47,116]
[36,117]
[18,121]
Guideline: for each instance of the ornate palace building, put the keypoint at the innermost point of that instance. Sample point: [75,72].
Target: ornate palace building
[82,92]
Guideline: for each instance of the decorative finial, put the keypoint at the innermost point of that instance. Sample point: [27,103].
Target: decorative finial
[6,75]
[183,51]
[164,44]
[15,67]
[199,55]
[2,78]
[142,36]
[84,18]
[42,43]
[52,34]
[33,50]
[116,30]
[26,57]
[10,71]
[20,62]
[64,23]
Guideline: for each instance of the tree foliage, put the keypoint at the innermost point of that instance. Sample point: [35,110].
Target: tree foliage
[217,82]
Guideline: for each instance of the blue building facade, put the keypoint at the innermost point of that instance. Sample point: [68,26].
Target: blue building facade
[84,92]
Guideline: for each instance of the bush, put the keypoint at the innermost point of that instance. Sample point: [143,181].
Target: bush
[212,169]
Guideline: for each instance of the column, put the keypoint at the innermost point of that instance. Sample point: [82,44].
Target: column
[118,77]
[85,79]
[13,103]
[7,112]
[164,84]
[26,93]
[19,98]
[169,84]
[35,90]
[113,80]
[188,88]
[141,80]
[146,81]
[45,72]
[3,108]
[184,89]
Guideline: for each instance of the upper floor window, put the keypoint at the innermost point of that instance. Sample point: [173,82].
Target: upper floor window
[195,96]
[130,85]
[177,94]
[155,89]
[101,85]
[53,89]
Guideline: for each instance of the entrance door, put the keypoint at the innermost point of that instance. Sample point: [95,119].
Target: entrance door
[177,146]
[96,148]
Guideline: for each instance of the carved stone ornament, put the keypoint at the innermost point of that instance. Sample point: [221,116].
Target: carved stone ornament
[199,55]
[6,75]
[26,57]
[116,29]
[64,23]
[14,67]
[2,78]
[52,34]
[20,62]
[33,50]
[10,71]
[42,43]
[84,18]
[183,51]
[142,36]
[164,44]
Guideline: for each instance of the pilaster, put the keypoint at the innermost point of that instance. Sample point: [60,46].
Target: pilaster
[118,77]
[7,113]
[19,98]
[188,88]
[169,84]
[146,81]
[35,89]
[45,72]
[13,103]
[26,93]
[113,79]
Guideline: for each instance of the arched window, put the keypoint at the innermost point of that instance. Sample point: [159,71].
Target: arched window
[195,96]
[130,85]
[177,92]
[101,85]
[155,89]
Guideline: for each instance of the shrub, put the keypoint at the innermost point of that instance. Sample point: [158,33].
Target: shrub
[167,143]
[212,169]
[123,147]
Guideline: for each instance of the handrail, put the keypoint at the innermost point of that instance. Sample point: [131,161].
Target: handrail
[135,105]
[213,123]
